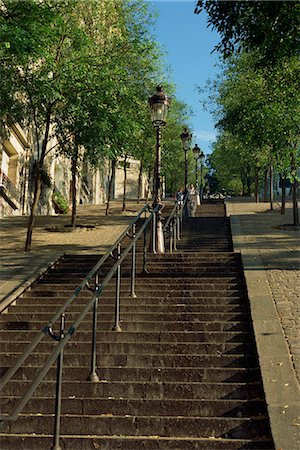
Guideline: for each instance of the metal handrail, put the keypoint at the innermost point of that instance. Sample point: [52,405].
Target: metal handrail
[173,225]
[67,336]
[64,336]
[4,380]
[85,283]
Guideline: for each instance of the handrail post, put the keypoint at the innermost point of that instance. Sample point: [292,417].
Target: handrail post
[132,293]
[154,232]
[178,223]
[145,253]
[171,236]
[116,326]
[181,215]
[93,376]
[175,233]
[144,271]
[56,445]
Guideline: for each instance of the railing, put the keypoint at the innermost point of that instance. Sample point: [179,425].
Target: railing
[171,229]
[9,186]
[173,226]
[64,336]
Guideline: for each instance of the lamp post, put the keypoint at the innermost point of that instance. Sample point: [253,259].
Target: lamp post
[186,138]
[202,158]
[199,156]
[196,151]
[159,105]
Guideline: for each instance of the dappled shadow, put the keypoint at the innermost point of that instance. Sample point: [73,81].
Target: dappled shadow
[278,246]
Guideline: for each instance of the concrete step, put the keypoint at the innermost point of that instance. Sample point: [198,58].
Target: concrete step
[155,277]
[134,316]
[145,360]
[41,441]
[58,291]
[141,347]
[157,374]
[192,246]
[133,337]
[218,427]
[142,326]
[201,259]
[142,279]
[142,390]
[143,407]
[22,307]
[166,300]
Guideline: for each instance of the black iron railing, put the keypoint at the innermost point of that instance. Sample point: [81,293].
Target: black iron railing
[92,283]
[173,226]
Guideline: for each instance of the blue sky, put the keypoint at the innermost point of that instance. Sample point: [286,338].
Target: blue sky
[188,43]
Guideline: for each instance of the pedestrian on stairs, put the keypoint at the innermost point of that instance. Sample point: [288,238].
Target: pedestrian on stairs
[192,200]
[179,197]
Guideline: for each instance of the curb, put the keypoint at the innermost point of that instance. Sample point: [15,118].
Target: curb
[23,285]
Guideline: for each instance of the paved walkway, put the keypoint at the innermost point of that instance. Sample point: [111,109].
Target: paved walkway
[271,263]
[18,269]
[270,254]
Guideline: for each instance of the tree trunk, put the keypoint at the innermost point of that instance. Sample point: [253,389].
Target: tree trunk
[148,195]
[256,188]
[36,197]
[271,188]
[74,188]
[266,186]
[283,193]
[243,187]
[295,204]
[249,186]
[37,185]
[125,183]
[113,168]
[295,192]
[140,182]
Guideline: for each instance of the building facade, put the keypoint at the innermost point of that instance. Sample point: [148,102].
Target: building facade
[14,171]
[17,162]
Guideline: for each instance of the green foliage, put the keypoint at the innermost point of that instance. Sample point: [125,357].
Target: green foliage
[173,157]
[270,26]
[257,113]
[60,202]
[45,178]
[86,68]
[78,70]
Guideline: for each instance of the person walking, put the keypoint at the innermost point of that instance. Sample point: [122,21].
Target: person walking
[179,197]
[192,201]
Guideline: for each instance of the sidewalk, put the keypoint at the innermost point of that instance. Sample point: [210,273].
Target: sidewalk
[271,265]
[18,269]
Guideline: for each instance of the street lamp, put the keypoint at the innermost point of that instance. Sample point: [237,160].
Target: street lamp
[159,105]
[199,156]
[186,138]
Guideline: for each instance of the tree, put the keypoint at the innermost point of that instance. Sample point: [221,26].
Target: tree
[100,49]
[49,45]
[258,114]
[173,158]
[271,27]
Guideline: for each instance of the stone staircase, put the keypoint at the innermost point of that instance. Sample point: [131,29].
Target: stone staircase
[182,375]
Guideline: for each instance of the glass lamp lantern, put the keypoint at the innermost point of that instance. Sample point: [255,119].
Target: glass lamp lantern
[159,105]
[196,151]
[186,138]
